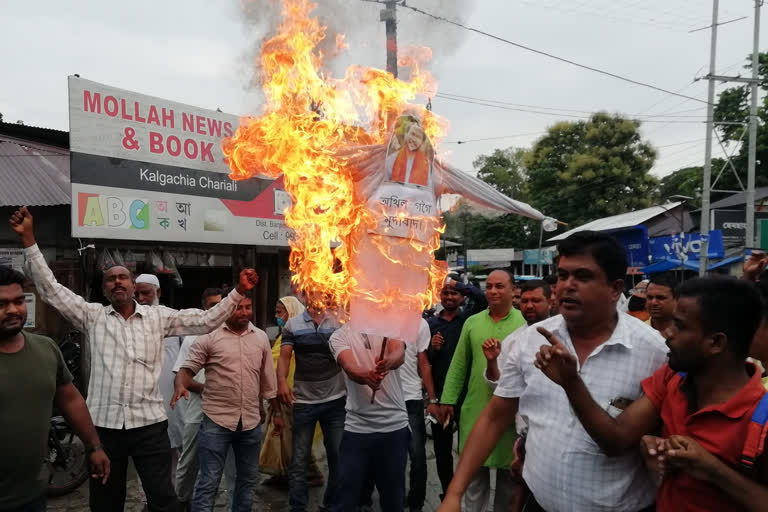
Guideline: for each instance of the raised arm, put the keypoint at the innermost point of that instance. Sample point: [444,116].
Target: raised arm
[199,321]
[71,306]
[614,435]
[479,302]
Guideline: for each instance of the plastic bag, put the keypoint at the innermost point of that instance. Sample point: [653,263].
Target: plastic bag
[130,260]
[275,455]
[169,262]
[105,260]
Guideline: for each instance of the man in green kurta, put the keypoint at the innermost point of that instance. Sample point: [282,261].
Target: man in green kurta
[495,323]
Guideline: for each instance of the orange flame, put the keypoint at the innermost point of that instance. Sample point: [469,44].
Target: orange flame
[308,117]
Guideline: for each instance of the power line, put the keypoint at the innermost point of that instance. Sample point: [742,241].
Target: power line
[446,95]
[492,138]
[558,114]
[547,54]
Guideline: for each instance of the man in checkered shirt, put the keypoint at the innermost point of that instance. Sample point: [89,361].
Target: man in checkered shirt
[564,468]
[126,343]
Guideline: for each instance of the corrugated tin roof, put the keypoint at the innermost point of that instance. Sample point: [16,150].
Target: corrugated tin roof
[625,220]
[739,199]
[33,174]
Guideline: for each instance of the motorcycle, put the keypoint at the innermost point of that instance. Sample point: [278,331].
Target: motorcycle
[67,459]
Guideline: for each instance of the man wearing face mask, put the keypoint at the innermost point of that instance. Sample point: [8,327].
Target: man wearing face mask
[126,357]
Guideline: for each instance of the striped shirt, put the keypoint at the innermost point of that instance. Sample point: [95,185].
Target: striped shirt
[126,354]
[318,378]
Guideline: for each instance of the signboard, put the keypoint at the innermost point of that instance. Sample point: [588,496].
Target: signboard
[685,247]
[531,257]
[13,258]
[635,243]
[733,224]
[762,232]
[29,299]
[144,168]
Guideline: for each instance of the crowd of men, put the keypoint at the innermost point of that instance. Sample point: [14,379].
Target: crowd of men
[572,403]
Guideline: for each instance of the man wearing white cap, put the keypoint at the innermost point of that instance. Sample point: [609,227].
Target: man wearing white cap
[126,359]
[148,293]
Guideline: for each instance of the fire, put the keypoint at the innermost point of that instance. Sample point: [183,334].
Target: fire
[309,120]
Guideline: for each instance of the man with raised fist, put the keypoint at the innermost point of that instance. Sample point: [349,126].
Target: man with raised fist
[126,343]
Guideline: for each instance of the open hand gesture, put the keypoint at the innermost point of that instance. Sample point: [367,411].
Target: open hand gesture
[754,265]
[179,391]
[491,349]
[555,360]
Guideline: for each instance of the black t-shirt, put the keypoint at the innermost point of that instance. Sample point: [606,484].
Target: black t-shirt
[28,382]
[451,331]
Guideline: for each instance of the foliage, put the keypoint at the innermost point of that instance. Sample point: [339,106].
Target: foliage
[584,170]
[732,107]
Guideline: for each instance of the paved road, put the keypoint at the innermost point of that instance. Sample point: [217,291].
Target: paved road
[268,498]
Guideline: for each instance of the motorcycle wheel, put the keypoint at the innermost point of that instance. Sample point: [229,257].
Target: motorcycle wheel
[67,465]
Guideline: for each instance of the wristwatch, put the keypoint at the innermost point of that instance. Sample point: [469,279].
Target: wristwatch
[434,401]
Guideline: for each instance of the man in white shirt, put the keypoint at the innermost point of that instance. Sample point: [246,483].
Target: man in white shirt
[415,362]
[126,357]
[564,468]
[375,437]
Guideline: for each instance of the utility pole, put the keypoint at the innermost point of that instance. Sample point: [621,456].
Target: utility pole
[749,235]
[389,16]
[704,224]
[749,238]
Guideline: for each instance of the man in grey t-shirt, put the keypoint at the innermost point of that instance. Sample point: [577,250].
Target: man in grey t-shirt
[317,397]
[376,434]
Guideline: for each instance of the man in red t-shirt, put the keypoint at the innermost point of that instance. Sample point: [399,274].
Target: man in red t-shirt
[702,401]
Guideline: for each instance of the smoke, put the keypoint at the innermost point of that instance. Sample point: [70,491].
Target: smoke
[358,21]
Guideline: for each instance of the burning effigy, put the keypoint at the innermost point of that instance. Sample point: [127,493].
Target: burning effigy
[360,164]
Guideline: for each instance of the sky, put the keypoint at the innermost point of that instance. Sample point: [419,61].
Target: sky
[201,53]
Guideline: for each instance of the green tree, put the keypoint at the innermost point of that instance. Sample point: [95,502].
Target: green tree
[688,182]
[732,107]
[583,170]
[504,169]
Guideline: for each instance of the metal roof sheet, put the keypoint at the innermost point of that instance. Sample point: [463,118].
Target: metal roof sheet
[33,174]
[739,199]
[624,220]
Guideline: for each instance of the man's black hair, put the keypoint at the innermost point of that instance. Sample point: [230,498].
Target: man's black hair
[211,292]
[9,276]
[535,284]
[550,279]
[728,305]
[603,248]
[664,279]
